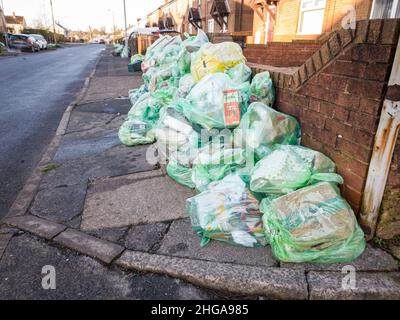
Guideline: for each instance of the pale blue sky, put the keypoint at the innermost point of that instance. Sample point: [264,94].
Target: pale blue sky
[79,14]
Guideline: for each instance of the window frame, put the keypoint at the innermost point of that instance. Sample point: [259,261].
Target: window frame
[301,14]
[395,6]
[208,25]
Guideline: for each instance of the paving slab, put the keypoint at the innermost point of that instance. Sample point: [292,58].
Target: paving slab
[145,237]
[115,235]
[121,106]
[97,248]
[273,283]
[71,172]
[80,277]
[102,88]
[182,241]
[373,259]
[127,200]
[83,121]
[4,240]
[110,127]
[60,204]
[86,147]
[40,227]
[368,285]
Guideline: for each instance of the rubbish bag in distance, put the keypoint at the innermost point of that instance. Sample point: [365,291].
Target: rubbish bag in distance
[212,58]
[314,224]
[228,212]
[262,89]
[288,168]
[217,102]
[261,127]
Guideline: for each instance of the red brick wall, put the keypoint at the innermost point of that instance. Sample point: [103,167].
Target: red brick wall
[337,96]
[281,54]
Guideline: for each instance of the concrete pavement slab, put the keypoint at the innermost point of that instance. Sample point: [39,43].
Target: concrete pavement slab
[115,235]
[110,127]
[121,106]
[4,240]
[182,241]
[97,248]
[145,237]
[80,277]
[127,200]
[368,285]
[273,283]
[41,227]
[86,147]
[116,161]
[60,204]
[102,88]
[83,121]
[373,259]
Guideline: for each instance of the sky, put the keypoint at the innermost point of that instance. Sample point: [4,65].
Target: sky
[80,14]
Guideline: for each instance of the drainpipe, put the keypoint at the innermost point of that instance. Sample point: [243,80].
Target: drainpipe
[382,153]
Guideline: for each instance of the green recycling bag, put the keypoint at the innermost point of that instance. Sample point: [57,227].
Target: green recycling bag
[287,168]
[314,224]
[135,132]
[180,173]
[262,89]
[217,102]
[214,162]
[261,127]
[228,212]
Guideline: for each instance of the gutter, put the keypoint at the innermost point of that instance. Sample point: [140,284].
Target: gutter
[382,153]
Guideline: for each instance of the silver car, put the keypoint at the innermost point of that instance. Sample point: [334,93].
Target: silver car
[41,41]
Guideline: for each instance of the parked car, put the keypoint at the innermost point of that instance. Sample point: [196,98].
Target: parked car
[24,42]
[41,41]
[102,41]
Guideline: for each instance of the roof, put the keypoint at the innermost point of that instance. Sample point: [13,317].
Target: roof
[15,19]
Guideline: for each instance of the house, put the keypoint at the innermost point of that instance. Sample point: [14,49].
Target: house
[60,29]
[288,20]
[3,23]
[234,17]
[15,24]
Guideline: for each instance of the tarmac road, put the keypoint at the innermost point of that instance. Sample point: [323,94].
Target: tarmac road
[35,90]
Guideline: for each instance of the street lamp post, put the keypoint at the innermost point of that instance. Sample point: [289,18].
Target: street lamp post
[126,26]
[54,25]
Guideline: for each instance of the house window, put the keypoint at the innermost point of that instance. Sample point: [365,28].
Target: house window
[210,25]
[224,27]
[385,9]
[311,17]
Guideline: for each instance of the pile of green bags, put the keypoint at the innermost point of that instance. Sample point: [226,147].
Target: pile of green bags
[218,133]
